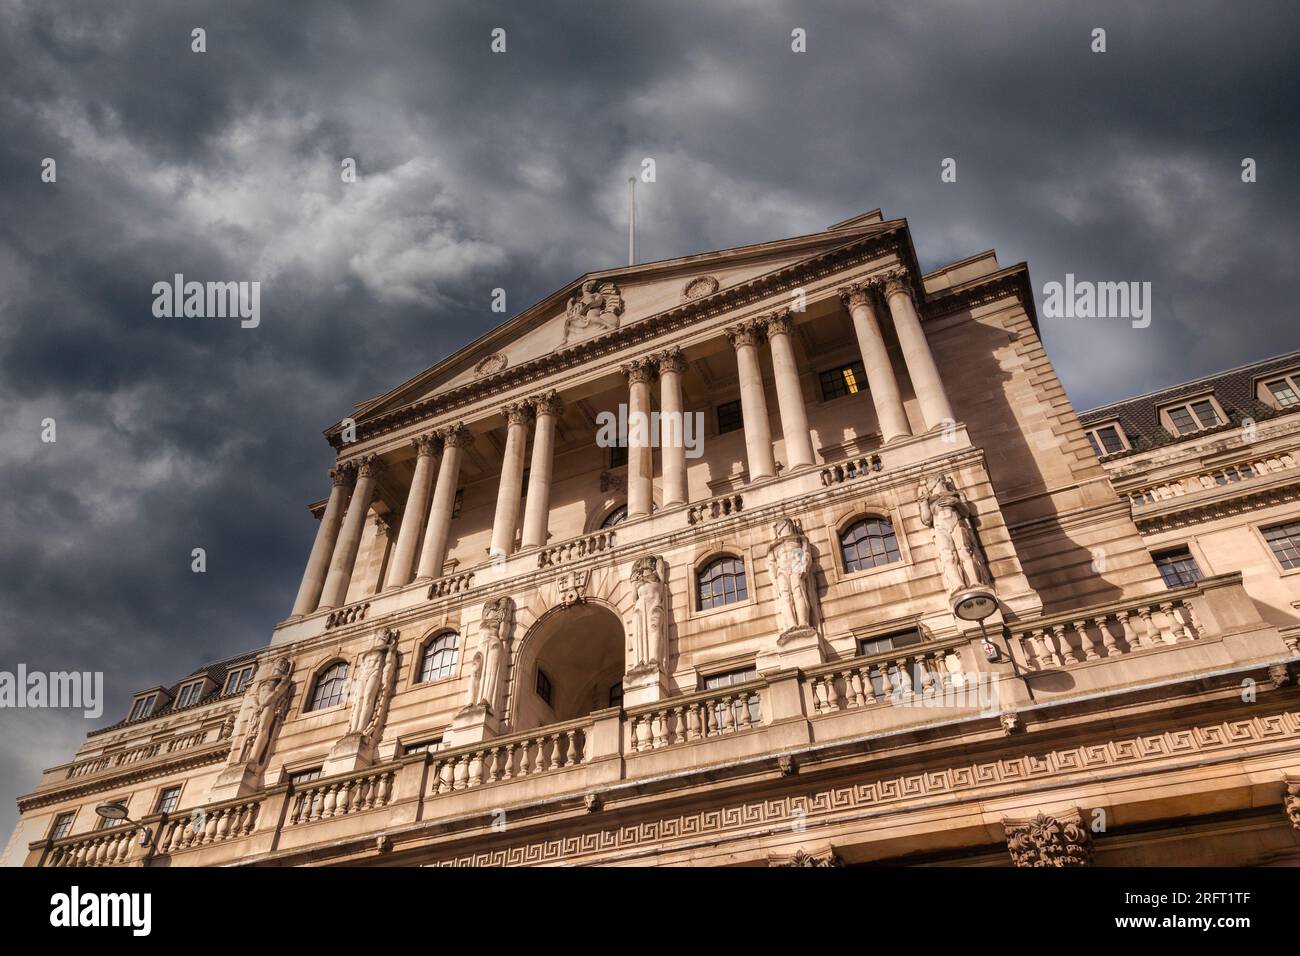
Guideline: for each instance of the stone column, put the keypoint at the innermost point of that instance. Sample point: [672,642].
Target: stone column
[881,382]
[789,396]
[313,579]
[745,338]
[518,415]
[537,509]
[916,351]
[640,460]
[434,552]
[345,550]
[672,423]
[427,448]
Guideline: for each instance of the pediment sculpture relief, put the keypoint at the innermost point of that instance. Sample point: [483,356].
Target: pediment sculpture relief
[593,309]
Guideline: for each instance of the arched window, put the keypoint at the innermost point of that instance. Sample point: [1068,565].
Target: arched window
[614,517]
[721,581]
[868,543]
[331,685]
[439,658]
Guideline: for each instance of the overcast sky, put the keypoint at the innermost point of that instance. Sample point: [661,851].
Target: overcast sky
[479,170]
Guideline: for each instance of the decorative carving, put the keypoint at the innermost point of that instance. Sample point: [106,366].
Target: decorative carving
[803,858]
[671,360]
[592,802]
[457,436]
[1010,723]
[426,446]
[699,287]
[647,624]
[264,712]
[548,403]
[947,513]
[897,281]
[372,684]
[1279,674]
[592,310]
[492,364]
[344,474]
[855,295]
[789,766]
[745,333]
[518,413]
[497,624]
[369,466]
[610,480]
[573,587]
[474,680]
[1049,841]
[789,565]
[779,323]
[1291,802]
[640,370]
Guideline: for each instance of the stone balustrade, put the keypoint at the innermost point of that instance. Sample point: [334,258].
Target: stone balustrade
[105,847]
[1076,638]
[347,615]
[209,825]
[842,471]
[1156,494]
[356,793]
[702,716]
[451,584]
[505,758]
[576,548]
[893,676]
[721,507]
[137,754]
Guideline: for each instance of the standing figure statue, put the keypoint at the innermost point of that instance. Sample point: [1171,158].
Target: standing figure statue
[647,623]
[270,703]
[497,625]
[474,679]
[789,565]
[947,513]
[593,309]
[372,684]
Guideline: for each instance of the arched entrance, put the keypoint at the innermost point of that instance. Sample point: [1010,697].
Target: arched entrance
[574,657]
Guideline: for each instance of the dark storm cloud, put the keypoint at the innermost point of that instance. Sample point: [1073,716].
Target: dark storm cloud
[480,171]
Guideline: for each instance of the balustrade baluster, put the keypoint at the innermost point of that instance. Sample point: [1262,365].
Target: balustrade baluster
[1107,638]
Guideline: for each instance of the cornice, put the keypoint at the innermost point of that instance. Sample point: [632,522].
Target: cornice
[186,760]
[1199,512]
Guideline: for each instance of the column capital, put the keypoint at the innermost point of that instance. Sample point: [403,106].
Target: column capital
[745,333]
[427,445]
[370,466]
[671,360]
[856,294]
[343,475]
[780,322]
[641,370]
[518,413]
[457,436]
[548,403]
[897,281]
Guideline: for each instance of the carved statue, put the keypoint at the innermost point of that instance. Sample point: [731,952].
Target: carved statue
[270,703]
[947,513]
[593,309]
[372,684]
[647,623]
[789,564]
[474,674]
[497,624]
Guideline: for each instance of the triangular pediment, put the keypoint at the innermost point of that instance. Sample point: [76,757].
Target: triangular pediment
[599,302]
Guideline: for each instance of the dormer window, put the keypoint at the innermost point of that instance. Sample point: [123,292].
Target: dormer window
[1108,439]
[237,680]
[143,707]
[1281,391]
[1193,416]
[190,694]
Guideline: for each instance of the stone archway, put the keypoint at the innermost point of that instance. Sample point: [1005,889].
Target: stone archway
[580,651]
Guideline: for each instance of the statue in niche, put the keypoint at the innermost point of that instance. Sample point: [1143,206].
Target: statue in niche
[372,684]
[789,565]
[947,513]
[593,309]
[647,624]
[474,678]
[270,703]
[497,624]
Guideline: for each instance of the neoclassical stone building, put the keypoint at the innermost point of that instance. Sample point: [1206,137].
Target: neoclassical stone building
[789,554]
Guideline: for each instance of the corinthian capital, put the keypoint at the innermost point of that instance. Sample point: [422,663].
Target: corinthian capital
[640,370]
[780,322]
[745,333]
[457,436]
[671,360]
[427,445]
[518,413]
[370,466]
[548,403]
[343,475]
[855,295]
[897,281]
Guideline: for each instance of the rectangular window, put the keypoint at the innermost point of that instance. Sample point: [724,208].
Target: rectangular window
[1177,567]
[1182,419]
[618,456]
[890,641]
[422,746]
[1284,540]
[1284,393]
[168,799]
[845,380]
[457,502]
[237,680]
[305,776]
[142,707]
[62,825]
[729,417]
[544,689]
[1206,414]
[189,694]
[616,694]
[1110,440]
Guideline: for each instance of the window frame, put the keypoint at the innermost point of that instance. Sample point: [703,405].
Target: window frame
[855,366]
[426,646]
[189,693]
[697,572]
[53,833]
[1178,551]
[1261,531]
[147,712]
[866,517]
[541,680]
[1264,393]
[1186,406]
[245,673]
[739,426]
[310,706]
[1093,433]
[179,788]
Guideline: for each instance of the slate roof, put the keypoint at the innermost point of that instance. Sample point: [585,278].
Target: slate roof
[217,671]
[1234,389]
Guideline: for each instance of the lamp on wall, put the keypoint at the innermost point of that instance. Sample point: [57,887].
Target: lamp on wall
[116,810]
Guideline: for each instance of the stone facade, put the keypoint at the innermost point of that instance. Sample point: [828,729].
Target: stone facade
[880,600]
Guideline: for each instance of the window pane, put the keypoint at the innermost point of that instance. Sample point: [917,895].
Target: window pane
[1096,449]
[1110,439]
[868,544]
[1284,393]
[330,687]
[1205,412]
[614,517]
[62,825]
[721,582]
[1284,539]
[439,659]
[1178,568]
[729,417]
[618,456]
[1182,419]
[845,380]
